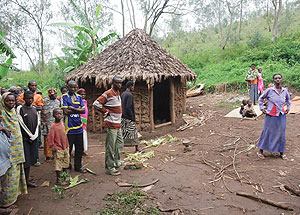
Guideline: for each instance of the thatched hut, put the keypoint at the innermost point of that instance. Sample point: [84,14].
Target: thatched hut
[160,79]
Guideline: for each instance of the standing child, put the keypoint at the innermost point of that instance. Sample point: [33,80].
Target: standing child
[84,119]
[58,141]
[260,86]
[50,103]
[29,121]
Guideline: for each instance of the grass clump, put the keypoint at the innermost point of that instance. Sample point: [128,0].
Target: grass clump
[127,202]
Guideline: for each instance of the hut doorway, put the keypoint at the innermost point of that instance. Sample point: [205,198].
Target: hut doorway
[161,102]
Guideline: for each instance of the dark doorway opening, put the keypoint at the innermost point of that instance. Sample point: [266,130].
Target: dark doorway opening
[161,102]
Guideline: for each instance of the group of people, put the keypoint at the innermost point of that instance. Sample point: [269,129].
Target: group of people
[275,102]
[62,121]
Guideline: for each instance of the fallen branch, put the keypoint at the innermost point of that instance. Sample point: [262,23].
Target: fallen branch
[125,184]
[265,201]
[295,192]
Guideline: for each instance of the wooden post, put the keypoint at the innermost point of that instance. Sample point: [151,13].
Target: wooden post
[172,101]
[140,113]
[151,109]
[93,119]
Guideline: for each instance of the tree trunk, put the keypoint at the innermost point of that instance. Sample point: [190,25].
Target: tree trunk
[230,24]
[42,53]
[133,14]
[268,17]
[123,18]
[220,22]
[241,17]
[277,8]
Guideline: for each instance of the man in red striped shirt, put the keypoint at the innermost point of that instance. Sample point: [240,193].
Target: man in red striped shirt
[109,104]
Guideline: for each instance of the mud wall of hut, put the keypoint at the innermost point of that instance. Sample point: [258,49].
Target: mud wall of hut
[141,96]
[179,98]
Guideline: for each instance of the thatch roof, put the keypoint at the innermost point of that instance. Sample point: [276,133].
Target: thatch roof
[135,57]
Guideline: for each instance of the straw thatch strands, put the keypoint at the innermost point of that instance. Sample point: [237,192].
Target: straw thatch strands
[135,57]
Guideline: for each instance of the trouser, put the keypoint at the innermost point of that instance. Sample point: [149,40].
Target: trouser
[77,141]
[47,149]
[30,152]
[38,144]
[113,148]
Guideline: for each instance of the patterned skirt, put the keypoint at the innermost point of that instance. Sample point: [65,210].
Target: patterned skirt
[129,132]
[16,185]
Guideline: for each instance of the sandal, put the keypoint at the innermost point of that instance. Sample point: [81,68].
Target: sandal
[284,157]
[260,155]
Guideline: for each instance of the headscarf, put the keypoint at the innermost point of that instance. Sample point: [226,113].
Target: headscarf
[52,91]
[80,90]
[10,122]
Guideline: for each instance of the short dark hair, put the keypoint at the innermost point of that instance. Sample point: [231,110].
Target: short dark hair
[31,82]
[62,88]
[129,84]
[253,64]
[276,74]
[28,93]
[55,110]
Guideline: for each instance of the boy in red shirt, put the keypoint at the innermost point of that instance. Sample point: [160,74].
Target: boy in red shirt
[58,141]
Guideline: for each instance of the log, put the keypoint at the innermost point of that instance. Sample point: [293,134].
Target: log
[294,192]
[265,201]
[162,125]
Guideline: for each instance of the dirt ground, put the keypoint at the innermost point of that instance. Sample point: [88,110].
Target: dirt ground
[185,181]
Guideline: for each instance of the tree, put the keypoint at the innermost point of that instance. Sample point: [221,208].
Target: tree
[231,12]
[86,44]
[277,4]
[40,14]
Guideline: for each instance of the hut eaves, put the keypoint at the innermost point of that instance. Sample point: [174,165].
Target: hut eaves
[135,57]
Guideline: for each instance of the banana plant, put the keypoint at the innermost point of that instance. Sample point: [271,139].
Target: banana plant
[86,44]
[7,54]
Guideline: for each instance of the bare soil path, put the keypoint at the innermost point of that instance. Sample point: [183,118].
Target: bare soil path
[200,181]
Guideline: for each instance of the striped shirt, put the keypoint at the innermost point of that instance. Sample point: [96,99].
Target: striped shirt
[109,103]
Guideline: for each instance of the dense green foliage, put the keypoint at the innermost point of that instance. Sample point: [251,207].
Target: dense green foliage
[51,78]
[203,54]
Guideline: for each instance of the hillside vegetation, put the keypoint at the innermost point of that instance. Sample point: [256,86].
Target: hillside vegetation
[202,52]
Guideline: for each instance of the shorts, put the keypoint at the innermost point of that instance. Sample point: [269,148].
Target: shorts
[61,159]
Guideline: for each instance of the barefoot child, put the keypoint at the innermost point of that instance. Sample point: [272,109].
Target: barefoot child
[249,110]
[58,141]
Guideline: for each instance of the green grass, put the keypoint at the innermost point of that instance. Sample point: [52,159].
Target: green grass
[127,202]
[201,51]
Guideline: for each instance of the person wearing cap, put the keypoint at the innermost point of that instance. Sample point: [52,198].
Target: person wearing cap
[252,79]
[50,103]
[130,136]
